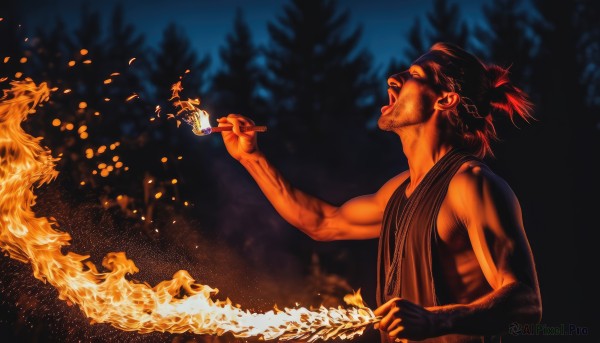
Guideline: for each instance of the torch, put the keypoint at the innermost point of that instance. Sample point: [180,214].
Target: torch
[199,121]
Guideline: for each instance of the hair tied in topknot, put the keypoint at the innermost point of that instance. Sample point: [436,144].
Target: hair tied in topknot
[506,97]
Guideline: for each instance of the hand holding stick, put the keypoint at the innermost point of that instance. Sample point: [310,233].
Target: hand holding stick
[247,128]
[256,128]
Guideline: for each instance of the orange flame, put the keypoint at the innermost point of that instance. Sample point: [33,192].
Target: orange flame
[190,113]
[177,305]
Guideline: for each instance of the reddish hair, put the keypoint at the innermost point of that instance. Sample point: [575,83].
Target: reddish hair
[485,91]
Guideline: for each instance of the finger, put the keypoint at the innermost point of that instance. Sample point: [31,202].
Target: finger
[387,319]
[236,127]
[385,307]
[394,325]
[396,332]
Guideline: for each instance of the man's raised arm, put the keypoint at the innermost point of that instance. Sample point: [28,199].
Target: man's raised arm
[358,218]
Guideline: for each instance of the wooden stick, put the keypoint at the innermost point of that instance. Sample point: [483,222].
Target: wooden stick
[242,128]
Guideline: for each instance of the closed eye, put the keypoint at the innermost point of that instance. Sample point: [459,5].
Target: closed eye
[416,71]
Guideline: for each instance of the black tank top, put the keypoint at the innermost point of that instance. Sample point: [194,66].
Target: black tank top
[407,245]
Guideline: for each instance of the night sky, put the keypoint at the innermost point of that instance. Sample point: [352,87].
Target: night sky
[385,23]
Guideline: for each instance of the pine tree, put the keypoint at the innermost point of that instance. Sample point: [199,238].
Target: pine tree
[586,17]
[559,38]
[235,84]
[12,49]
[175,59]
[50,48]
[507,39]
[125,50]
[571,139]
[445,24]
[91,67]
[320,85]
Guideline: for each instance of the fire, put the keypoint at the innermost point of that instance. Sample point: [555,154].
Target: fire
[190,113]
[177,305]
[199,119]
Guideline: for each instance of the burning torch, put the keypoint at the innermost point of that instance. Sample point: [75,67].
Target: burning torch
[199,121]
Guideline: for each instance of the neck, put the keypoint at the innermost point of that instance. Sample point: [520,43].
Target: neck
[423,147]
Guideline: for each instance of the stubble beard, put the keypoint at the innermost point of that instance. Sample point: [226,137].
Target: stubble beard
[389,122]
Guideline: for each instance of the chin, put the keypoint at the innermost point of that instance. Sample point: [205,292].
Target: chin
[384,124]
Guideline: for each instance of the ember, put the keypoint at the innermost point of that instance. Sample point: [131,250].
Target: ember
[177,305]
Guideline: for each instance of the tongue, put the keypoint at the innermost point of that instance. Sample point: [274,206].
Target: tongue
[385,108]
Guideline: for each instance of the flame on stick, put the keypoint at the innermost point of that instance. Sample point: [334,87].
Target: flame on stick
[199,119]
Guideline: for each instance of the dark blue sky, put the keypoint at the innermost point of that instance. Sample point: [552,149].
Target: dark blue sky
[385,23]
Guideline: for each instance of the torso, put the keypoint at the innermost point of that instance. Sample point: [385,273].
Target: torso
[458,264]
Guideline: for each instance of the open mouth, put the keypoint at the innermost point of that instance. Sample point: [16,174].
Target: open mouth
[392,99]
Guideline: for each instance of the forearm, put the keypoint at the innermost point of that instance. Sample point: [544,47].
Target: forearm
[301,210]
[492,314]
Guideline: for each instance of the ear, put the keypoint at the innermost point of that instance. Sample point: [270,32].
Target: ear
[447,101]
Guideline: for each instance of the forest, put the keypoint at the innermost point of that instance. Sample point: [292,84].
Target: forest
[133,177]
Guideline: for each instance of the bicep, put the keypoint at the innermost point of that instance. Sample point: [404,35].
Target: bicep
[359,217]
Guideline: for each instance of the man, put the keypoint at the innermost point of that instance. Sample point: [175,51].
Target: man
[454,261]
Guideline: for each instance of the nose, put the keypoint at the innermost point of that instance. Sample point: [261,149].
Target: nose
[396,80]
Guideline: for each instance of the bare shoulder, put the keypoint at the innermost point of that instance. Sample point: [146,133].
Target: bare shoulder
[476,183]
[384,193]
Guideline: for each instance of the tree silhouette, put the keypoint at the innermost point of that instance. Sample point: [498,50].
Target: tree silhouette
[91,67]
[586,19]
[547,150]
[12,49]
[50,48]
[444,24]
[507,38]
[125,50]
[235,84]
[317,80]
[173,60]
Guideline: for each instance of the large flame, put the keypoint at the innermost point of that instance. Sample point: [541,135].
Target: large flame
[177,305]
